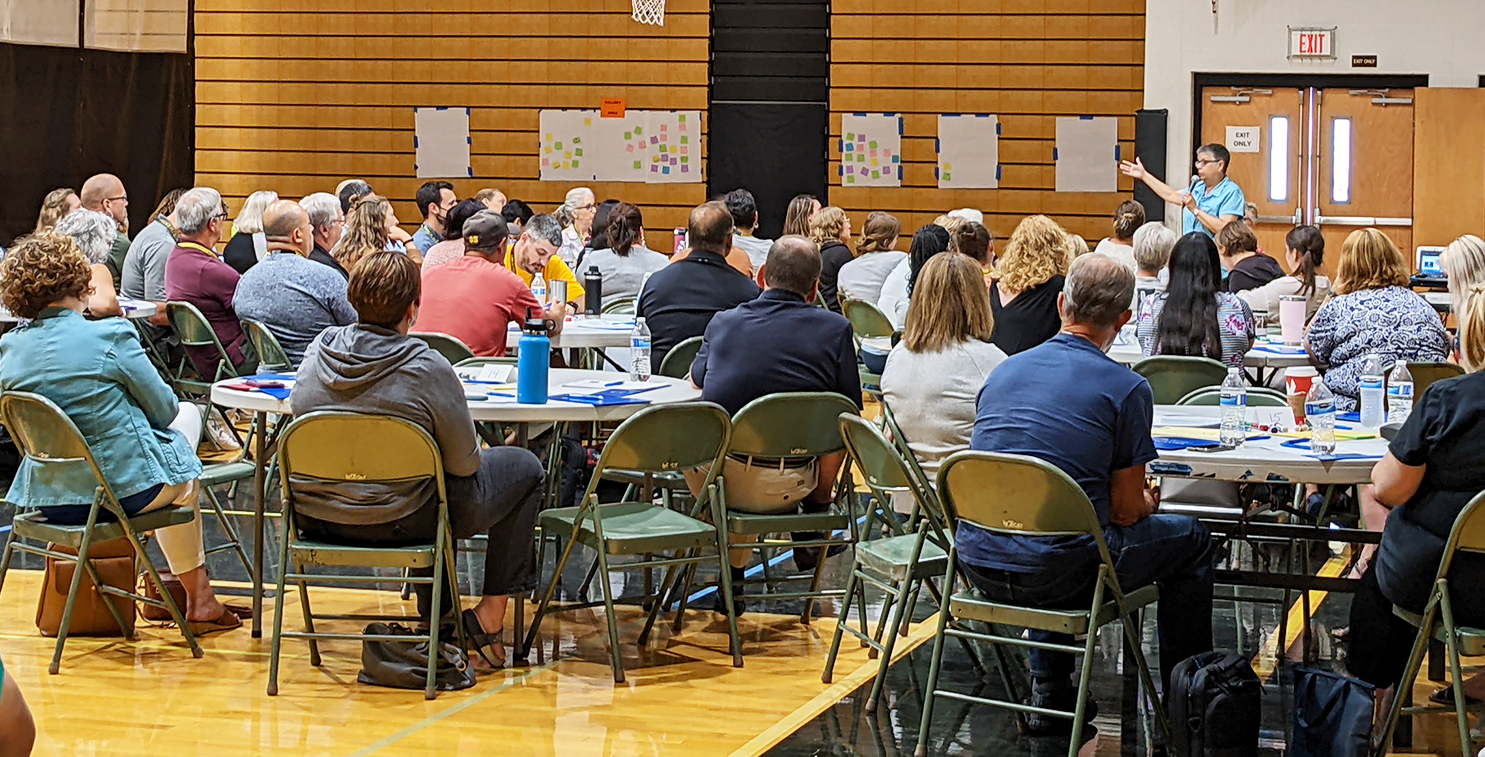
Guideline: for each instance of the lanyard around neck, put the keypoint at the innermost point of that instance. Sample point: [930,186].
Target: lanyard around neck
[199,248]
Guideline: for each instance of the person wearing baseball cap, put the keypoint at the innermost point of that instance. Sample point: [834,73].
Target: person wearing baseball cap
[475,298]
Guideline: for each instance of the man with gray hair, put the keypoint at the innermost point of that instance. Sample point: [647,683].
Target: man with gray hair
[1066,402]
[328,221]
[94,233]
[196,274]
[535,251]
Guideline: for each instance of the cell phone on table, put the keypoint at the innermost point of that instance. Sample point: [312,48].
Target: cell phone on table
[256,384]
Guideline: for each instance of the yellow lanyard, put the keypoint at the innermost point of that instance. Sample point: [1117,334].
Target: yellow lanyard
[198,248]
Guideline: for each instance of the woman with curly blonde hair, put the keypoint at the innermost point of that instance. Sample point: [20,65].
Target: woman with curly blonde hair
[1030,271]
[56,205]
[831,230]
[368,227]
[143,439]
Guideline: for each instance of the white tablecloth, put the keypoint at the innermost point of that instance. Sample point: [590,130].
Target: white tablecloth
[1263,355]
[132,309]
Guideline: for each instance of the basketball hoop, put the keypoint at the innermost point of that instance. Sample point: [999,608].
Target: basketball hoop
[649,12]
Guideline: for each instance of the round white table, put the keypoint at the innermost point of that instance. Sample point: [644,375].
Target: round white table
[132,309]
[667,390]
[585,332]
[1264,460]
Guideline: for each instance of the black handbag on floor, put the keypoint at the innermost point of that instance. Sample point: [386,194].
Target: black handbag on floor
[1214,705]
[404,664]
[1332,715]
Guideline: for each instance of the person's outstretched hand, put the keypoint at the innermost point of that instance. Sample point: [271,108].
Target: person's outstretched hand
[1135,170]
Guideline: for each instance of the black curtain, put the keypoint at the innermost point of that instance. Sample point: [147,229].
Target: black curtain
[67,113]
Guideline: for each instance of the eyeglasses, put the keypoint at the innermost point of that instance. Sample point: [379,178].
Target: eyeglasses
[120,198]
[589,206]
[1203,162]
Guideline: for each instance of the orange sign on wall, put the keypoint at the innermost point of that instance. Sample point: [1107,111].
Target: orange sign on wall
[612,107]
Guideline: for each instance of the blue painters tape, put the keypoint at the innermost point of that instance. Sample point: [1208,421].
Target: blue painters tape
[1054,153]
[1116,152]
[1085,118]
[997,128]
[997,172]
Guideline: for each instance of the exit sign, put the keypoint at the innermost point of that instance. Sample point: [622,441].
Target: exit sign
[1311,43]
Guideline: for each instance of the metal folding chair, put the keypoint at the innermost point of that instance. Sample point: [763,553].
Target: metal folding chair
[450,347]
[1172,377]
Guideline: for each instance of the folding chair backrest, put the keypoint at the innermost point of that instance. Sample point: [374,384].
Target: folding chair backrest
[866,319]
[1257,397]
[790,424]
[1172,377]
[1427,373]
[668,438]
[450,347]
[45,434]
[621,306]
[1016,495]
[355,447]
[191,326]
[1468,534]
[677,362]
[271,355]
[884,467]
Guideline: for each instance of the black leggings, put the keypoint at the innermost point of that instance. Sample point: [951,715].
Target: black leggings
[1380,642]
[500,500]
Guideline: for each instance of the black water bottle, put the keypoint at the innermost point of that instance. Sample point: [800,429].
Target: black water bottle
[593,291]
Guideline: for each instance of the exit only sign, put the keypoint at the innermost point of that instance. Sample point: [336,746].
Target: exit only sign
[1311,43]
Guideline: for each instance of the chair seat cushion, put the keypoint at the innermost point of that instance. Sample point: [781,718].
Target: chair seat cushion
[34,525]
[892,557]
[632,528]
[226,473]
[972,605]
[314,552]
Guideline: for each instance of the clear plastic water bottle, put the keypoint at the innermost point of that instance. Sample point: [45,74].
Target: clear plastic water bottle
[539,288]
[1320,413]
[1234,409]
[1399,393]
[639,351]
[1373,401]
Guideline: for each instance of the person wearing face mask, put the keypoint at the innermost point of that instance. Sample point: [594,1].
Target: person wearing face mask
[293,296]
[1211,202]
[1097,430]
[435,199]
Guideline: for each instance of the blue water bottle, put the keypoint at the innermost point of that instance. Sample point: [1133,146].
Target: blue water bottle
[534,362]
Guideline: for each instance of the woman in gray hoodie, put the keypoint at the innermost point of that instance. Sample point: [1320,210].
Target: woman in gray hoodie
[374,367]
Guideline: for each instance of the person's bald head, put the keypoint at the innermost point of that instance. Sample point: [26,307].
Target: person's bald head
[710,228]
[793,265]
[1097,292]
[287,227]
[105,193]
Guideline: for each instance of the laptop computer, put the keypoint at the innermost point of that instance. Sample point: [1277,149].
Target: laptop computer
[1430,268]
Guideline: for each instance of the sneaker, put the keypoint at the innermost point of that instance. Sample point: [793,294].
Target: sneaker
[1056,696]
[221,437]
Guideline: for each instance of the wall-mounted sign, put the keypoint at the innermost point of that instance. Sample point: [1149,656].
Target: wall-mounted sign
[1363,61]
[1311,42]
[1242,138]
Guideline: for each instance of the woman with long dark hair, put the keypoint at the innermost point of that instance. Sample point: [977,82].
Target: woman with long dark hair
[927,242]
[1193,316]
[628,261]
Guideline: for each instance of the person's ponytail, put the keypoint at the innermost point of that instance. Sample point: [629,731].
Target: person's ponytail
[1472,329]
[624,224]
[1310,244]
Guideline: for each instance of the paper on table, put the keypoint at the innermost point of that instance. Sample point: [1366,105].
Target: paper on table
[968,152]
[441,143]
[1087,154]
[595,386]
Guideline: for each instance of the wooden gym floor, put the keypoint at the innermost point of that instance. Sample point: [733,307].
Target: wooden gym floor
[682,696]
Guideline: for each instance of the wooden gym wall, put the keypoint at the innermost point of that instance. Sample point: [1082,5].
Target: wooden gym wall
[1027,61]
[296,95]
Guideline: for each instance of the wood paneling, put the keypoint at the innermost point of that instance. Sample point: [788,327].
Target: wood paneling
[296,95]
[1024,61]
[1449,164]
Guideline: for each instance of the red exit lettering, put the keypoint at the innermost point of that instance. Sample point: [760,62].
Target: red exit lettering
[1311,43]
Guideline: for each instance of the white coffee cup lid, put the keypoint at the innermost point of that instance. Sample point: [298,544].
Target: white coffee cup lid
[1301,370]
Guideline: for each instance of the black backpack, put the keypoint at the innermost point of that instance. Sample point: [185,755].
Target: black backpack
[1213,703]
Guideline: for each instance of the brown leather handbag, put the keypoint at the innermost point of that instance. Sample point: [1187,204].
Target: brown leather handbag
[172,585]
[114,561]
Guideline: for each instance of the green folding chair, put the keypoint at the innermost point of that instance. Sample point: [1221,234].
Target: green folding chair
[1437,624]
[677,362]
[793,426]
[620,306]
[336,447]
[867,322]
[898,565]
[1015,495]
[1258,396]
[450,347]
[1425,374]
[670,437]
[271,355]
[49,439]
[1172,377]
[194,331]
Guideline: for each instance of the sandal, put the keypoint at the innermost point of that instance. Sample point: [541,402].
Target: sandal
[227,621]
[1445,696]
[486,645]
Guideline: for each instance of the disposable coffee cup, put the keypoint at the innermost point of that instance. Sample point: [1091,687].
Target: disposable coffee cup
[1292,319]
[1297,382]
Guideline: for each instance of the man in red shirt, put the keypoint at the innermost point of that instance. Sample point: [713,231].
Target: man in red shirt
[475,298]
[195,274]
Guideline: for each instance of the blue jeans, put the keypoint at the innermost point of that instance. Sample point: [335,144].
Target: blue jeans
[1171,551]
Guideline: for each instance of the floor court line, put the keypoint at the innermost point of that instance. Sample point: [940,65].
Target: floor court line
[1266,660]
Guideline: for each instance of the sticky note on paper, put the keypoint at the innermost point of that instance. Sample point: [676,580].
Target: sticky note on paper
[629,135]
[638,166]
[872,145]
[629,148]
[557,145]
[578,152]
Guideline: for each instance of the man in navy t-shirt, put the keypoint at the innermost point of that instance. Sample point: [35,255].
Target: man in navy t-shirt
[1094,424]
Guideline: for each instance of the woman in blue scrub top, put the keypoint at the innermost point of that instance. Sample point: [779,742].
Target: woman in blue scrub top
[1210,202]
